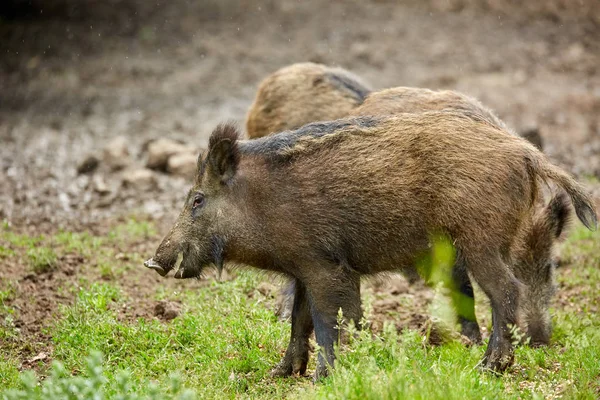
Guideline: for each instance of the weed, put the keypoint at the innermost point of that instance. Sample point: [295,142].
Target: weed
[92,384]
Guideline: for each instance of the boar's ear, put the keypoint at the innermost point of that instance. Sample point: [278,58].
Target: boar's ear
[223,153]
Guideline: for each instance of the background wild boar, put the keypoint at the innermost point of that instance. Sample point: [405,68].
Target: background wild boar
[301,93]
[296,95]
[416,100]
[534,264]
[333,201]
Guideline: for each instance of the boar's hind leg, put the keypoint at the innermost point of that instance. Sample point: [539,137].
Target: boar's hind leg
[503,289]
[464,302]
[327,296]
[296,356]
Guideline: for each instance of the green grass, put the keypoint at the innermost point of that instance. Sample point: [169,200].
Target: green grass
[226,339]
[132,228]
[42,259]
[7,328]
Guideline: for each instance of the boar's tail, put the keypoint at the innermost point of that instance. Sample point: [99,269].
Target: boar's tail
[582,201]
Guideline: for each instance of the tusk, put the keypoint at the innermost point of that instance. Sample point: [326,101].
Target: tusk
[153,265]
[179,273]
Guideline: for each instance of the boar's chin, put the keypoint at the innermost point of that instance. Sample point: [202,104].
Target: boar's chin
[188,271]
[189,267]
[193,263]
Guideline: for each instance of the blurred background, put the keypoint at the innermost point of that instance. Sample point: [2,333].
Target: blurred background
[87,85]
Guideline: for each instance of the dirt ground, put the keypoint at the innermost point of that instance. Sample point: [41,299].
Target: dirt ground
[74,74]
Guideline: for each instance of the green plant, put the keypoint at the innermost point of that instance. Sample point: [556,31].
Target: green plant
[42,259]
[91,385]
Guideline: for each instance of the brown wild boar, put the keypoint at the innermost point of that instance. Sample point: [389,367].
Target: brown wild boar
[534,263]
[295,95]
[333,201]
[417,100]
[301,93]
[534,255]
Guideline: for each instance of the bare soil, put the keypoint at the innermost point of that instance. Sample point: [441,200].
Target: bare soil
[76,74]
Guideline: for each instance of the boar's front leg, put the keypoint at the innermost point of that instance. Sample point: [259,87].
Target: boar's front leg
[503,290]
[296,356]
[328,293]
[464,302]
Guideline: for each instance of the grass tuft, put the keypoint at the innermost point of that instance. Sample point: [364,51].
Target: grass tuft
[42,259]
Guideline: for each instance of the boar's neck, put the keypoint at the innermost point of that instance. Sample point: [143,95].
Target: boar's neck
[261,221]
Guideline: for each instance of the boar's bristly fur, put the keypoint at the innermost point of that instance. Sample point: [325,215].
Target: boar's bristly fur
[295,95]
[301,93]
[416,100]
[534,264]
[334,201]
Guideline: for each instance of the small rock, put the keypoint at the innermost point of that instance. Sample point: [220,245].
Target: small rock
[116,154]
[167,310]
[183,164]
[575,52]
[40,357]
[99,185]
[88,164]
[160,150]
[139,179]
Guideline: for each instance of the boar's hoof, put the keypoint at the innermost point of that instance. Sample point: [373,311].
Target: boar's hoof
[287,367]
[470,329]
[498,359]
[153,265]
[321,373]
[282,369]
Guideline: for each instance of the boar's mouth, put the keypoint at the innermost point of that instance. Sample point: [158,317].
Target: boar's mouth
[190,263]
[160,269]
[155,266]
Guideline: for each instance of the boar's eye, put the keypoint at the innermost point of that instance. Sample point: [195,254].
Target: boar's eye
[198,201]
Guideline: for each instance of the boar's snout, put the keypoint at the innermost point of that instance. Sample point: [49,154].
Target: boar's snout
[539,334]
[155,266]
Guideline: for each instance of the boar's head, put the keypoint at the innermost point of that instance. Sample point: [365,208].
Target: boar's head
[536,264]
[199,235]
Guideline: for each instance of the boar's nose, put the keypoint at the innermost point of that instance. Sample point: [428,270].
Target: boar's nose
[154,265]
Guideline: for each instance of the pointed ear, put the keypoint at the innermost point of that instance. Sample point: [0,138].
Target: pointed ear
[223,154]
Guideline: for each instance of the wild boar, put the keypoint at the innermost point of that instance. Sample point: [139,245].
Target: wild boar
[301,93]
[534,263]
[416,100]
[534,255]
[333,201]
